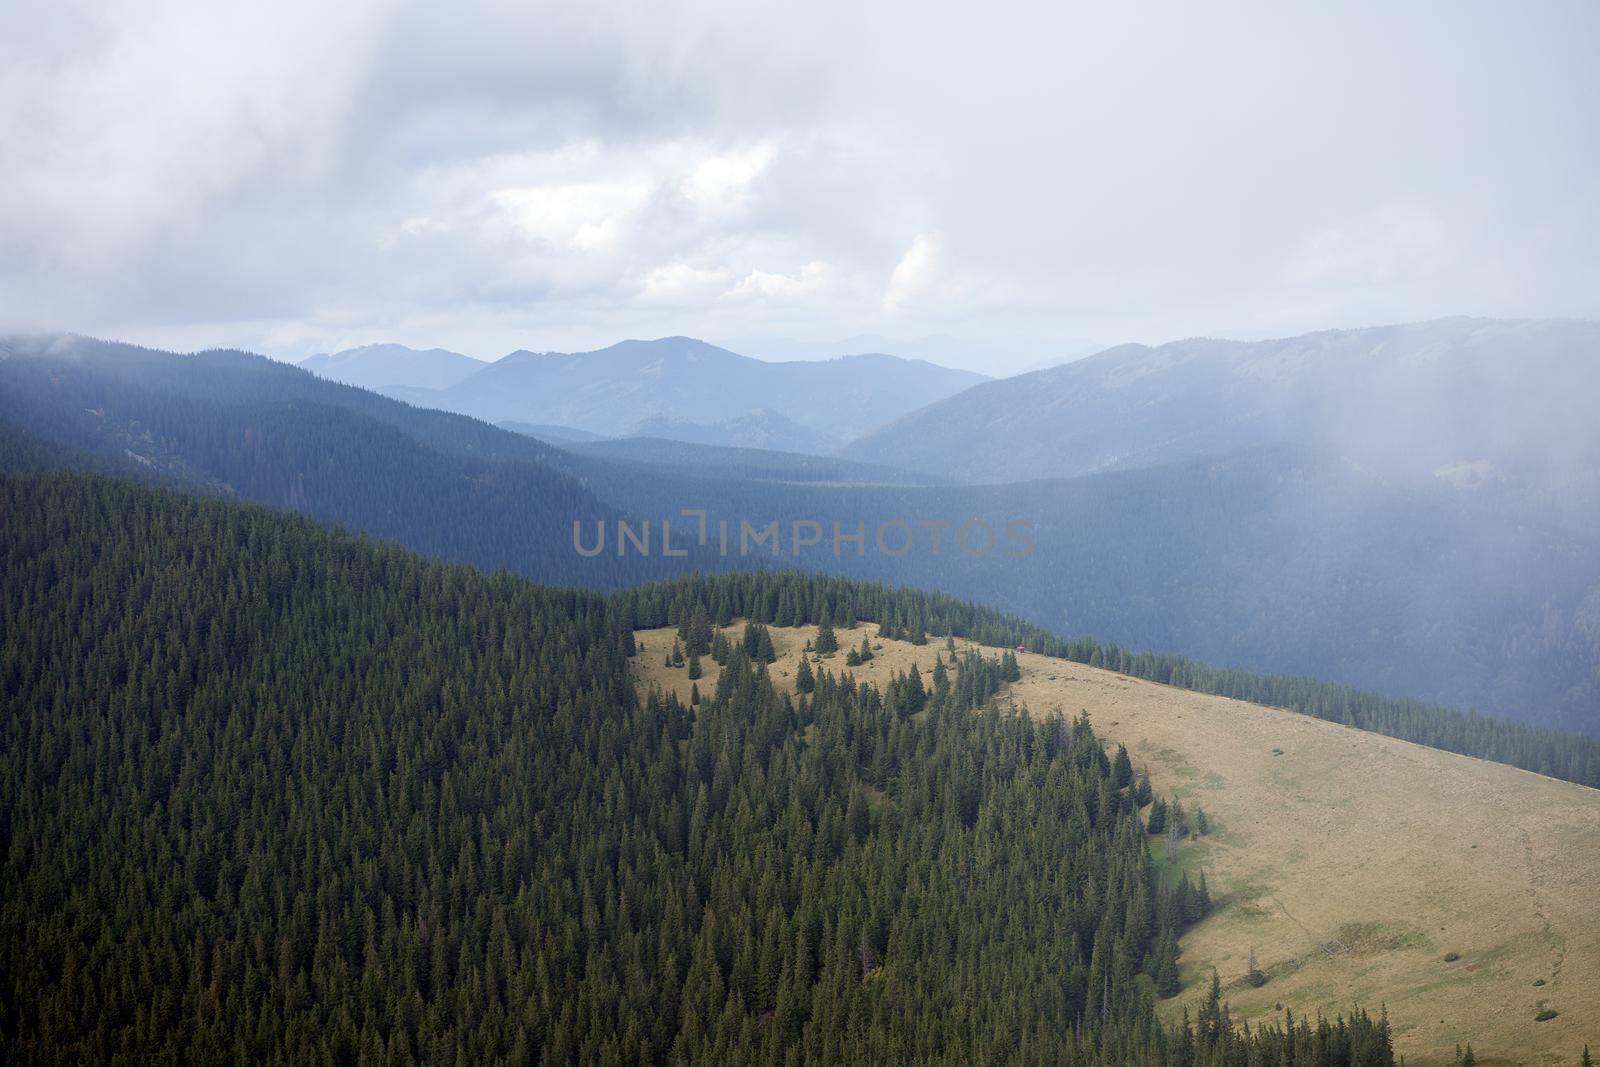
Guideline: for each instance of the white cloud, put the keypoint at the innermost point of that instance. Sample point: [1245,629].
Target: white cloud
[763,284]
[496,175]
[678,282]
[587,217]
[722,181]
[915,272]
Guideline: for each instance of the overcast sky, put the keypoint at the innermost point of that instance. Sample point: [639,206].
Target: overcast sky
[1025,178]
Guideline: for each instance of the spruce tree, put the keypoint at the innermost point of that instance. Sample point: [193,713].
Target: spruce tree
[1157,821]
[804,680]
[1121,768]
[917,696]
[1142,793]
[826,641]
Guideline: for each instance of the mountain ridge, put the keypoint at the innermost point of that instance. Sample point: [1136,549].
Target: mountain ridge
[1407,398]
[610,390]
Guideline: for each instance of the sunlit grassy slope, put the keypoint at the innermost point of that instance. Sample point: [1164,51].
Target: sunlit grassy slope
[1352,864]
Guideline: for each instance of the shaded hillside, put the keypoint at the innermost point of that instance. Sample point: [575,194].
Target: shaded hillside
[760,428]
[736,464]
[239,424]
[556,435]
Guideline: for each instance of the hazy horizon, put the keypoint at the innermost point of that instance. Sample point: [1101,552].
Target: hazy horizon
[1026,184]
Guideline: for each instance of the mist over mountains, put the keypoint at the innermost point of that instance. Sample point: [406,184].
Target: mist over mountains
[1405,508]
[1466,401]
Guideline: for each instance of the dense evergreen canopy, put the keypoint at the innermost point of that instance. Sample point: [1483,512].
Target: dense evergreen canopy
[274,793]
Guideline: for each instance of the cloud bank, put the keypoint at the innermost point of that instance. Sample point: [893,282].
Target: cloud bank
[487,176]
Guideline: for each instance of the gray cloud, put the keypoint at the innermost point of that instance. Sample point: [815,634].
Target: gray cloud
[491,175]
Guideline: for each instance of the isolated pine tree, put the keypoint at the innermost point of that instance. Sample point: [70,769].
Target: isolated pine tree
[1253,972]
[694,665]
[804,680]
[826,641]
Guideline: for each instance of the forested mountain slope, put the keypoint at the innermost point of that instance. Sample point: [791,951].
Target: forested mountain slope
[1344,864]
[274,793]
[240,424]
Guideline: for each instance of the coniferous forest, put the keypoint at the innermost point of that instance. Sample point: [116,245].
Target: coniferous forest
[271,793]
[697,535]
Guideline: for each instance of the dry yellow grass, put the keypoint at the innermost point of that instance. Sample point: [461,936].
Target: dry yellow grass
[1351,863]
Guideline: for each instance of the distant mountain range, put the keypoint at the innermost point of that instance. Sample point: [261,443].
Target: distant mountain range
[1471,401]
[380,367]
[673,387]
[1412,509]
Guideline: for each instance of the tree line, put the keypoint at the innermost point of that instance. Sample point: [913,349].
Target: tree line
[796,598]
